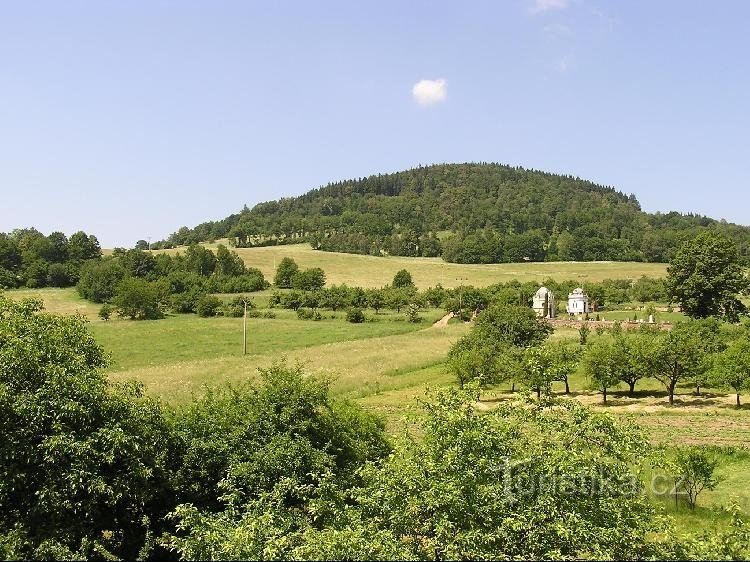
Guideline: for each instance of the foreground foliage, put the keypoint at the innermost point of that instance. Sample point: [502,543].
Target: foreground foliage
[282,470]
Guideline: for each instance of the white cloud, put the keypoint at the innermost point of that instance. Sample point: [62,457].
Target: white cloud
[430,92]
[563,64]
[547,5]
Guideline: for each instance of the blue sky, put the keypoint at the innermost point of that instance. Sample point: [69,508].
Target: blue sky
[129,119]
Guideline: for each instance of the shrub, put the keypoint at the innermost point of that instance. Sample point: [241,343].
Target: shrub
[208,306]
[8,280]
[355,316]
[235,308]
[269,314]
[105,312]
[412,314]
[308,314]
[137,299]
[695,472]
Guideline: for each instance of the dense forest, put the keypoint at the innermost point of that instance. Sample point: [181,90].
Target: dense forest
[466,213]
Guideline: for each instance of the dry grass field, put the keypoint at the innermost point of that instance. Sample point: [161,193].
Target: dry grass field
[372,271]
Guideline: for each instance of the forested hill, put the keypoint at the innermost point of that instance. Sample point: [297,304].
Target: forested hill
[467,213]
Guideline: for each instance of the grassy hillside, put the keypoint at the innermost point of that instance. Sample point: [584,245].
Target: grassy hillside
[371,271]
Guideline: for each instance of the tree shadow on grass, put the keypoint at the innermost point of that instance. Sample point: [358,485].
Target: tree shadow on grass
[741,407]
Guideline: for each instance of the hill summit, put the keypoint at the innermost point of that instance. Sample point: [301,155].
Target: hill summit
[466,213]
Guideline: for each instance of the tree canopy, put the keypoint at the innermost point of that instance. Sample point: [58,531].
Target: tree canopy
[706,276]
[489,212]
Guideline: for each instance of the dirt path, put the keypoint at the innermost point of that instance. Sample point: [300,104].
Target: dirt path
[443,322]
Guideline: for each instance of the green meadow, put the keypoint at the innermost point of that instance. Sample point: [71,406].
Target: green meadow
[387,364]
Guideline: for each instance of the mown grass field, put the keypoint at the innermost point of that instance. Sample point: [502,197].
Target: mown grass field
[373,271]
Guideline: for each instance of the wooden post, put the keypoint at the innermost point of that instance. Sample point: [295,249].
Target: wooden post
[244,330]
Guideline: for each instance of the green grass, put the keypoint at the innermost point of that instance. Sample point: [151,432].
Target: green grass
[387,365]
[625,315]
[59,301]
[372,271]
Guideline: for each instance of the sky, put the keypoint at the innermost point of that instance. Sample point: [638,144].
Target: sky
[129,119]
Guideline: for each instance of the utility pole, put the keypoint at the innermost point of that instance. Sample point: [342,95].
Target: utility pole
[244,329]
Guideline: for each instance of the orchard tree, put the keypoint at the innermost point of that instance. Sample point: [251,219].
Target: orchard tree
[546,364]
[732,367]
[285,271]
[472,358]
[311,279]
[375,299]
[514,325]
[605,363]
[706,276]
[680,355]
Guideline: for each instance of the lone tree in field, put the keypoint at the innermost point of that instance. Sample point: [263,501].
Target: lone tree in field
[402,280]
[706,276]
[732,367]
[285,272]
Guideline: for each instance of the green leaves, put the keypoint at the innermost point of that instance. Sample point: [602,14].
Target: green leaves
[79,459]
[706,276]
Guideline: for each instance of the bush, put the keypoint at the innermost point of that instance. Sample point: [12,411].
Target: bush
[355,316]
[105,312]
[186,302]
[7,279]
[89,459]
[269,314]
[308,314]
[412,314]
[235,308]
[138,300]
[208,306]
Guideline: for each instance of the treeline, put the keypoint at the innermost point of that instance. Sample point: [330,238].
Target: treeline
[143,285]
[462,300]
[498,213]
[508,344]
[28,258]
[283,470]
